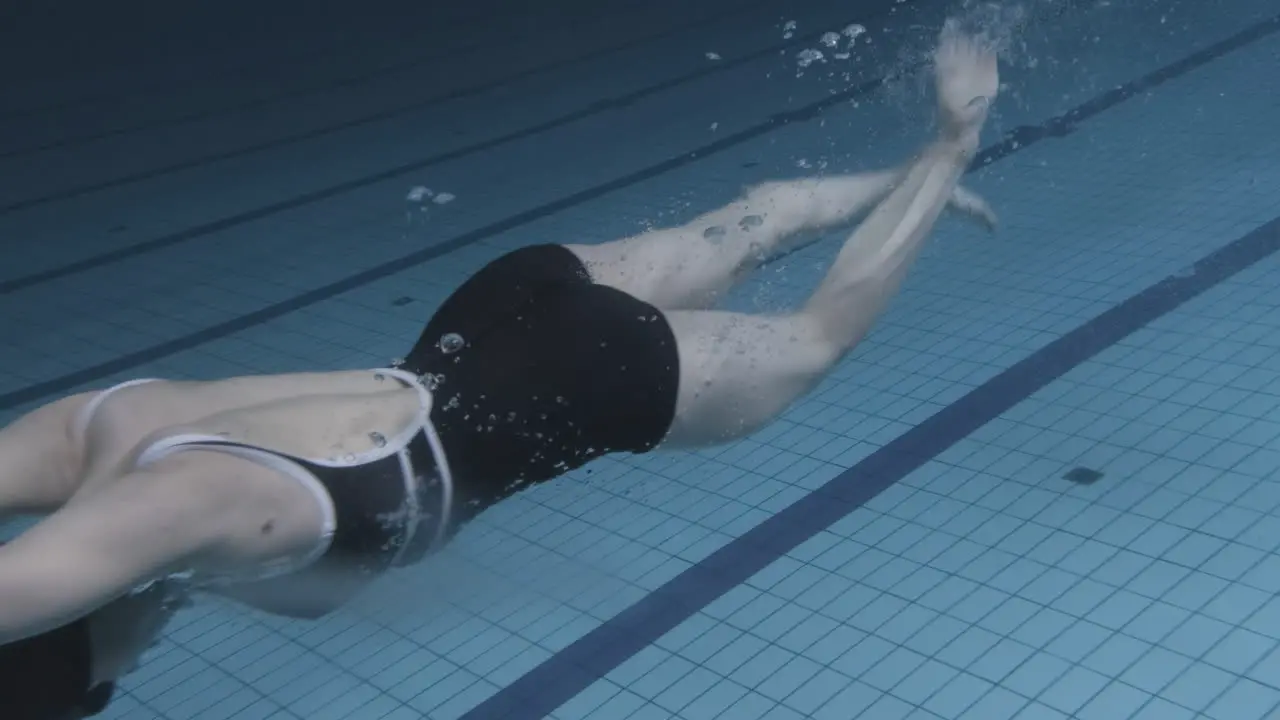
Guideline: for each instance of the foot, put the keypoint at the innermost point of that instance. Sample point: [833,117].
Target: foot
[967,79]
[970,203]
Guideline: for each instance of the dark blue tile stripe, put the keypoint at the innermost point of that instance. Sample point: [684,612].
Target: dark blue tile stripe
[381,116]
[411,64]
[601,106]
[69,381]
[540,691]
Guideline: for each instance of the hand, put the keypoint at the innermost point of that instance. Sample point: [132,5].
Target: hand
[970,203]
[967,77]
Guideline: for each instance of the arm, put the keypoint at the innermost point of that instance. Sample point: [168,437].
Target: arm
[96,549]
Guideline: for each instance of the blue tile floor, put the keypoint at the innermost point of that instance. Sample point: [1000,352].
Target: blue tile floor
[1045,487]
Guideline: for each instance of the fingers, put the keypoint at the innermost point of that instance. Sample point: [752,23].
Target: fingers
[974,206]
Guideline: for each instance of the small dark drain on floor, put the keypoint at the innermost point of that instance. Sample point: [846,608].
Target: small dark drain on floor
[1083,475]
[402,301]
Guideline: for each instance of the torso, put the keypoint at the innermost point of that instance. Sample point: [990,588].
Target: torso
[308,414]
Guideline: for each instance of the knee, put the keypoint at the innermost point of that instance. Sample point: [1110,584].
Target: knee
[819,348]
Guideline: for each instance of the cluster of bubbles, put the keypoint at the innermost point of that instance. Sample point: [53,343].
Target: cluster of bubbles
[839,44]
[422,194]
[421,198]
[832,41]
[716,233]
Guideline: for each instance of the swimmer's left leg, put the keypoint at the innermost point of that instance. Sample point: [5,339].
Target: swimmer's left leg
[39,460]
[691,266]
[738,372]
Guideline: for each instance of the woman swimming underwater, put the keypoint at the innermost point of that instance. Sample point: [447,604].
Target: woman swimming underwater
[291,492]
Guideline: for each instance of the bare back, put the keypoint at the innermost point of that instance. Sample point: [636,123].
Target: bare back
[308,414]
[325,416]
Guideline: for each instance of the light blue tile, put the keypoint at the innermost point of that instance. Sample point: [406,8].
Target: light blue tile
[817,691]
[1156,622]
[734,655]
[1196,636]
[1037,711]
[1036,674]
[715,702]
[997,704]
[974,643]
[620,705]
[1198,686]
[1116,701]
[695,683]
[663,675]
[1009,616]
[923,682]
[768,660]
[960,693]
[1245,700]
[936,635]
[890,670]
[788,678]
[1073,690]
[1235,603]
[852,701]
[1265,574]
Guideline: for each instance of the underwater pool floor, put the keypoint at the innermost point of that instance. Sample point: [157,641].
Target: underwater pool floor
[1047,486]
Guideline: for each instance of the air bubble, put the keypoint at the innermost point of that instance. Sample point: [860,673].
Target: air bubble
[853,31]
[378,439]
[714,232]
[805,58]
[444,198]
[750,221]
[451,343]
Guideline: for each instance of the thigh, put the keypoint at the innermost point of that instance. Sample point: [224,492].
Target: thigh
[739,372]
[577,371]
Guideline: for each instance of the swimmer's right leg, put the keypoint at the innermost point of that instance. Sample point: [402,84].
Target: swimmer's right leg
[738,372]
[40,459]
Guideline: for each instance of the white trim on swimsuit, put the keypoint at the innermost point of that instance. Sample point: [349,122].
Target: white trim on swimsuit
[398,444]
